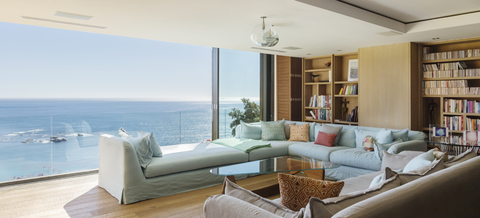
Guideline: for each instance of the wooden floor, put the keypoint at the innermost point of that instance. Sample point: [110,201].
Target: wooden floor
[81,197]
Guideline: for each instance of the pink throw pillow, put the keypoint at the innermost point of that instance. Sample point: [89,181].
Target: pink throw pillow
[325,139]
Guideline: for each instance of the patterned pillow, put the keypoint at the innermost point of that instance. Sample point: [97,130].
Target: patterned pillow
[299,132]
[368,143]
[296,191]
[325,139]
[273,130]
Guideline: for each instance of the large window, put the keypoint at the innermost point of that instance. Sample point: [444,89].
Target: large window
[61,89]
[239,89]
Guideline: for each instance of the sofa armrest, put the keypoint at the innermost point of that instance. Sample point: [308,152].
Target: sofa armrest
[228,206]
[118,165]
[414,145]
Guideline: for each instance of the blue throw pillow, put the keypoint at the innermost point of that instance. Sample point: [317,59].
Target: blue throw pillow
[273,130]
[384,136]
[157,152]
[400,134]
[250,131]
[379,147]
[347,137]
[143,149]
[420,161]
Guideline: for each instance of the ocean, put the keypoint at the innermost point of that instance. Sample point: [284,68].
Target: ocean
[26,128]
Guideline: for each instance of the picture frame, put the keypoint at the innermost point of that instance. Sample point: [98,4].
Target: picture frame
[353,70]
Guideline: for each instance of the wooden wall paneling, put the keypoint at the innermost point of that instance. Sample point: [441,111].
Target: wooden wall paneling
[385,90]
[416,74]
[283,88]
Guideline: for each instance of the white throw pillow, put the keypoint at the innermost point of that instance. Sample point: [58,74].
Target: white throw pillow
[419,161]
[143,150]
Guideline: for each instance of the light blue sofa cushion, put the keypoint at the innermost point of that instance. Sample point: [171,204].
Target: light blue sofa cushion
[420,161]
[360,135]
[157,152]
[313,150]
[379,147]
[416,135]
[251,131]
[197,156]
[384,136]
[273,130]
[403,134]
[142,148]
[347,137]
[356,157]
[278,148]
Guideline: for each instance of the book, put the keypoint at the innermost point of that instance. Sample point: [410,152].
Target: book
[313,115]
[341,91]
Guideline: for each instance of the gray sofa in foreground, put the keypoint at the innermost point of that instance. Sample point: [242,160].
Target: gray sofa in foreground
[450,192]
[187,167]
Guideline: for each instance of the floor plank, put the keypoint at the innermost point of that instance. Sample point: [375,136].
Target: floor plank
[81,197]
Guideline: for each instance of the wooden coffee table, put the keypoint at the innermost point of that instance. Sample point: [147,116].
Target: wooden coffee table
[313,168]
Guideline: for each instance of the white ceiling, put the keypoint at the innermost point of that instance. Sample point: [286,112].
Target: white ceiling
[319,27]
[416,10]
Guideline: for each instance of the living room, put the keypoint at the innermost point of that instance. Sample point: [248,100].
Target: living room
[320,46]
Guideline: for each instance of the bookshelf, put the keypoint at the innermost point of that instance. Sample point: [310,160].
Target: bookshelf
[455,106]
[328,81]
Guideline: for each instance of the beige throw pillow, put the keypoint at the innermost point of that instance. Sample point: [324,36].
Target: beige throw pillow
[299,132]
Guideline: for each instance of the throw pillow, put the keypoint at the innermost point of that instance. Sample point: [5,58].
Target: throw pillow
[325,139]
[331,206]
[360,135]
[440,155]
[347,137]
[122,133]
[143,149]
[157,152]
[381,178]
[286,126]
[312,131]
[469,154]
[234,190]
[368,143]
[250,131]
[273,130]
[299,132]
[407,177]
[379,147]
[296,191]
[419,161]
[332,130]
[397,161]
[403,134]
[384,136]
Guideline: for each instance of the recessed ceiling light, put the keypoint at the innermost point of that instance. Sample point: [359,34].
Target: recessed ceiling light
[339,50]
[291,48]
[309,54]
[436,38]
[74,16]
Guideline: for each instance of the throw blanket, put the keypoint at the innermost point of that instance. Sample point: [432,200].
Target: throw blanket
[245,145]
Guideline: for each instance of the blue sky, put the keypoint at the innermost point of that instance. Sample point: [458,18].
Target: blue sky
[40,62]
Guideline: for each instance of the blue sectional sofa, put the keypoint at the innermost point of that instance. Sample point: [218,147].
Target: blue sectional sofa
[186,167]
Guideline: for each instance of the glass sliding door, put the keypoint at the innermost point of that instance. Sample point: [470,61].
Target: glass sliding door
[239,89]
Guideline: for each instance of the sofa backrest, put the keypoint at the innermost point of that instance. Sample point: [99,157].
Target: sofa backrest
[451,192]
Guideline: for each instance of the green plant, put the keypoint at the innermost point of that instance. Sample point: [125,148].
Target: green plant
[250,113]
